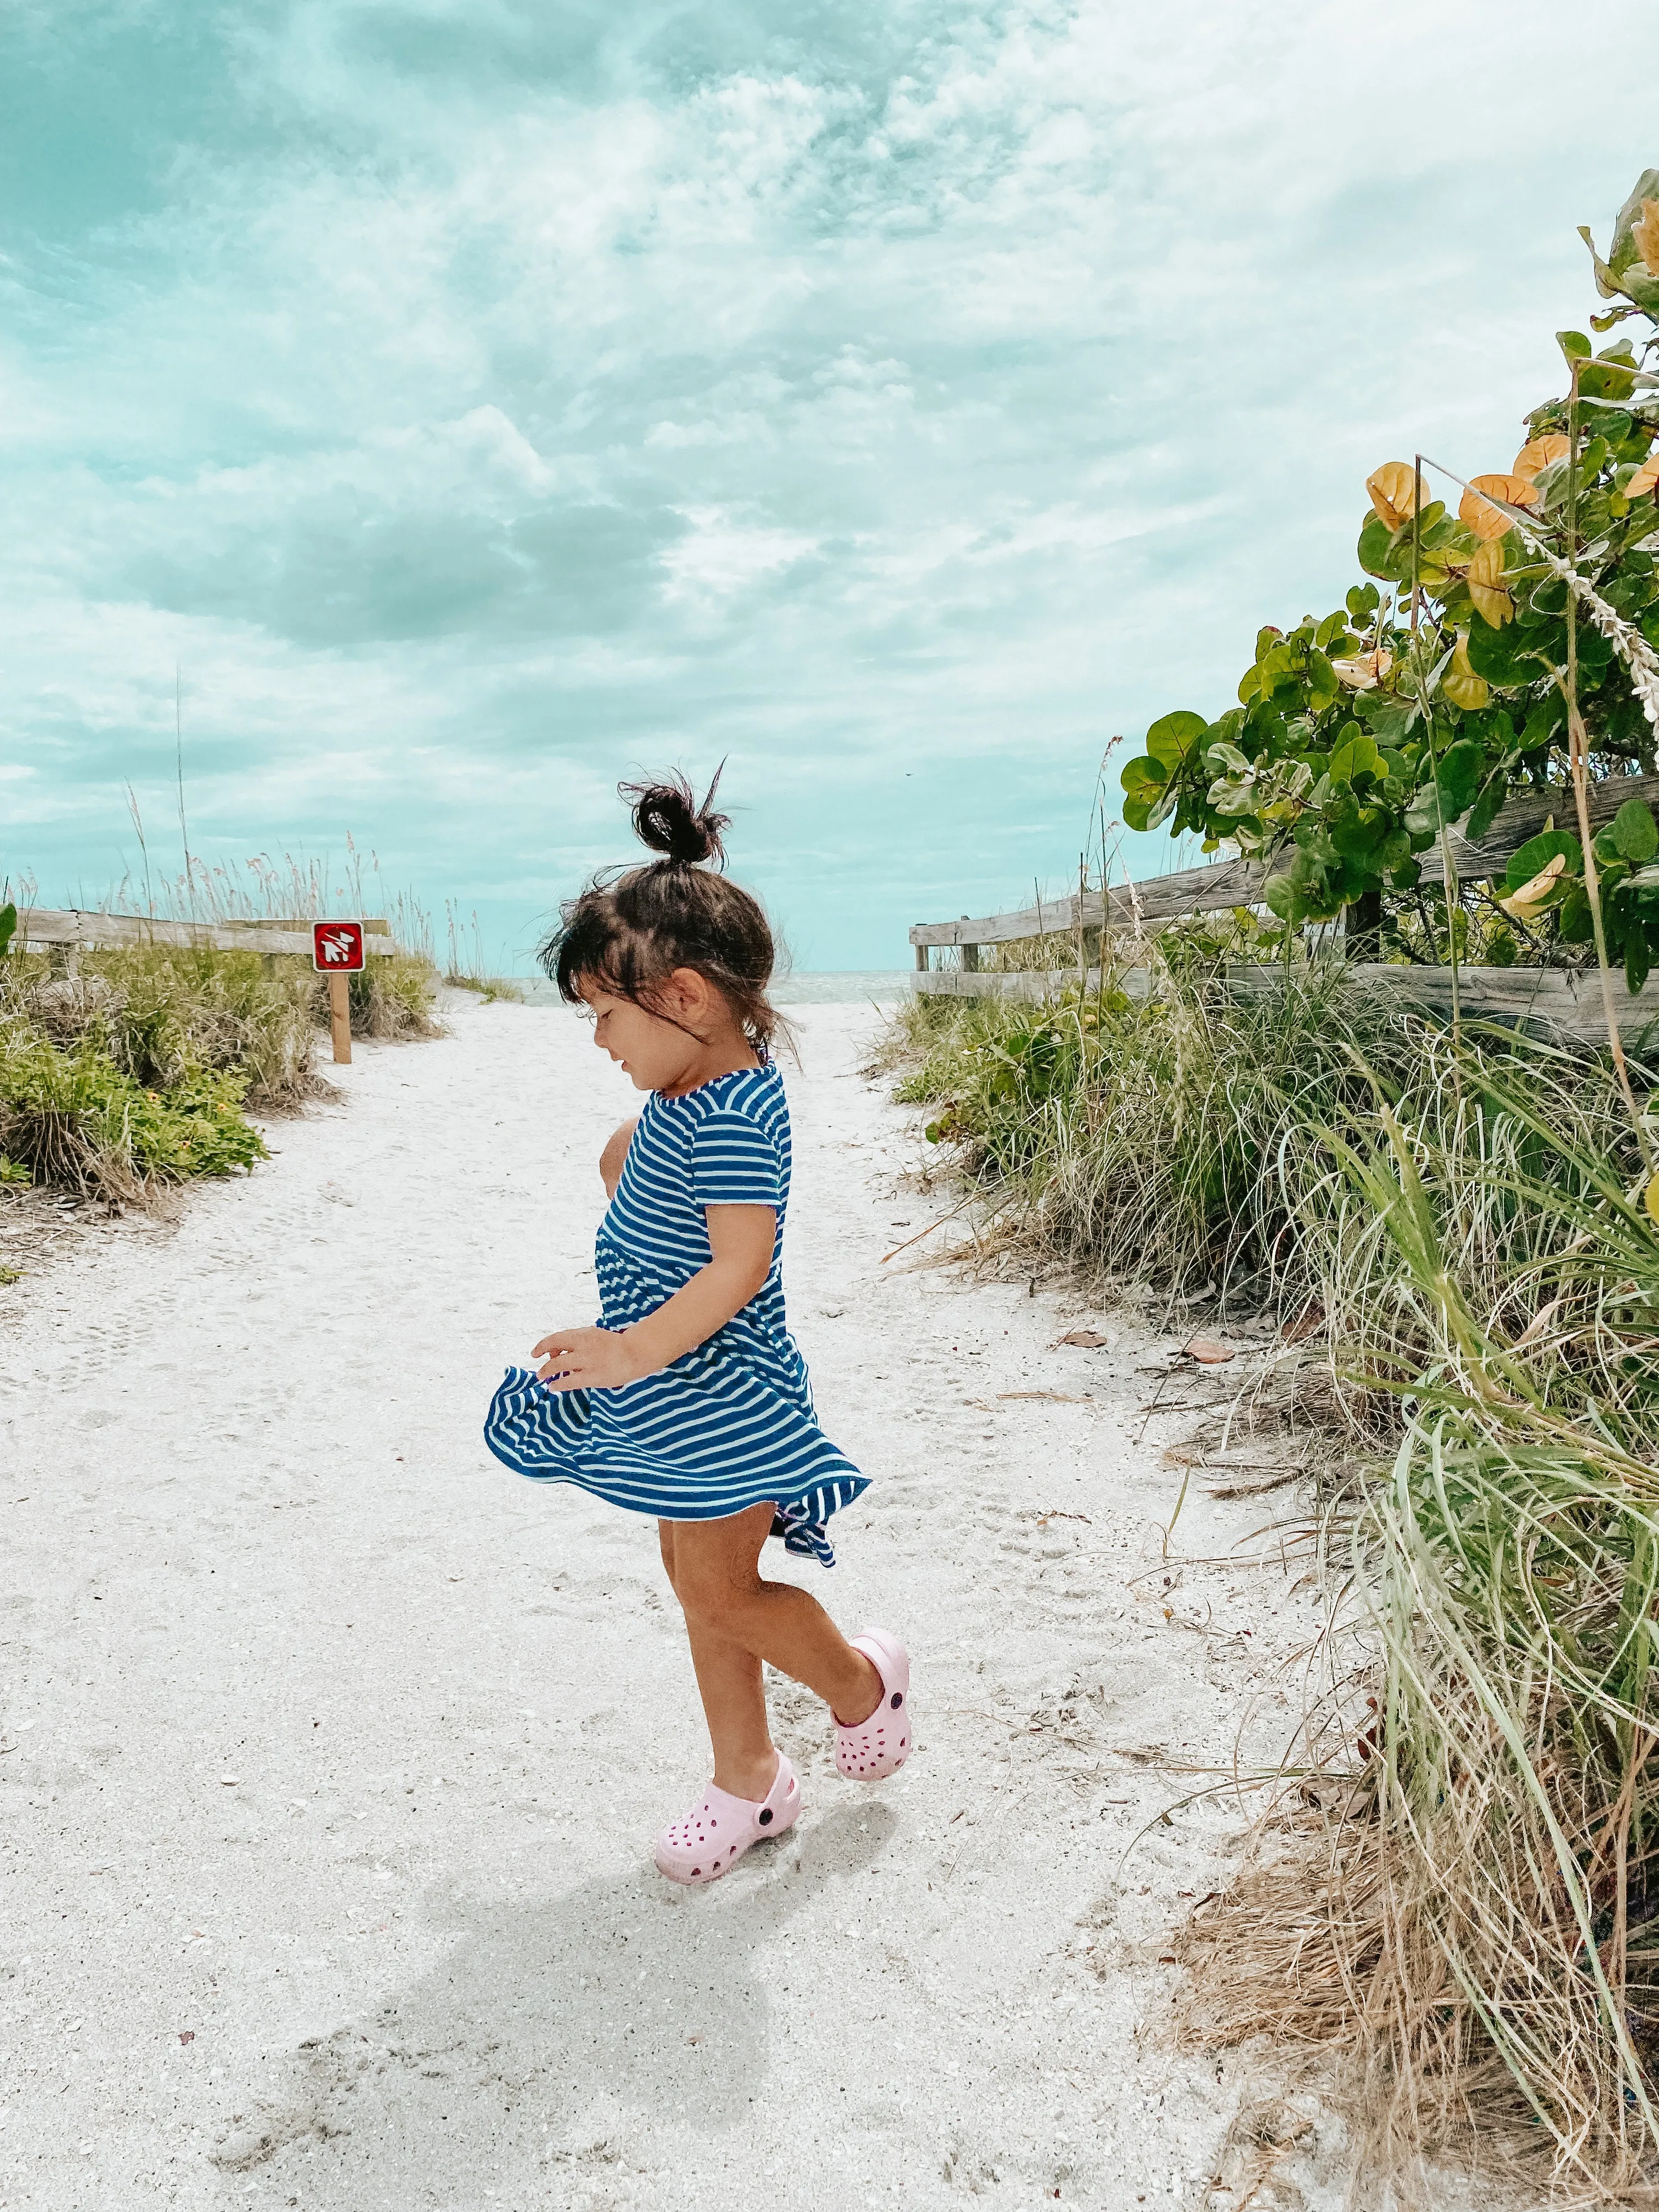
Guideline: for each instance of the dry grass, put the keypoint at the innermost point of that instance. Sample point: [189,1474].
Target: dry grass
[1452,1908]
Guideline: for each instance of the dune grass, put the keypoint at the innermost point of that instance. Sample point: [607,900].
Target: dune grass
[127,1070]
[1454,1891]
[492,990]
[139,1070]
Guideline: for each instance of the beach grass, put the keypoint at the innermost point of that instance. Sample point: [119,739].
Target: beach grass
[490,989]
[1452,1897]
[126,1071]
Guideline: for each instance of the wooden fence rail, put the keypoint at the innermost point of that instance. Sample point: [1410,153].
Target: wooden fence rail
[81,929]
[1568,1000]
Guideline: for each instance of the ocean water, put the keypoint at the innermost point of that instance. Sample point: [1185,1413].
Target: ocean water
[882,986]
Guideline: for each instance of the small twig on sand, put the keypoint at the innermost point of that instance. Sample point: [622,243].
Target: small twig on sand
[929,1230]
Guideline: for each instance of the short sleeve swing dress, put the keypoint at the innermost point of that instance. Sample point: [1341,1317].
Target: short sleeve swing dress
[730,1424]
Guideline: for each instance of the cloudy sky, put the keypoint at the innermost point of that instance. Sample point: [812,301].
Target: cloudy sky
[481,399]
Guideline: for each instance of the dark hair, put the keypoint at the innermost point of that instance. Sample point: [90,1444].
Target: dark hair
[630,934]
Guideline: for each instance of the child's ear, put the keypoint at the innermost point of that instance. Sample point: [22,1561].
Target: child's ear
[690,995]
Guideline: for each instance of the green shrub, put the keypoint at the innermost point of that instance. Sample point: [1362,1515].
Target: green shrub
[77,1120]
[134,1072]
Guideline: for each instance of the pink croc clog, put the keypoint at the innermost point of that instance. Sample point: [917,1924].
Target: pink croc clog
[713,1836]
[879,1746]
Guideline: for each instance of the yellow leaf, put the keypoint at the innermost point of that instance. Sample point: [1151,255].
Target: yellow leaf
[1648,475]
[1392,489]
[1540,454]
[1485,578]
[1365,671]
[1645,237]
[1528,903]
[1650,1195]
[1460,682]
[1485,519]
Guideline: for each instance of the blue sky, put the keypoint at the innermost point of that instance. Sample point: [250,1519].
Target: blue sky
[481,401]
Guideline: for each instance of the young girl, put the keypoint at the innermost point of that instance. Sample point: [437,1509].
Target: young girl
[689,1400]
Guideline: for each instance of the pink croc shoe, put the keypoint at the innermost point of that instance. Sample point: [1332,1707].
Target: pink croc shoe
[713,1836]
[879,1746]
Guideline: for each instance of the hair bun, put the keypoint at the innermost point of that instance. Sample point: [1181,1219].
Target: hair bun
[667,818]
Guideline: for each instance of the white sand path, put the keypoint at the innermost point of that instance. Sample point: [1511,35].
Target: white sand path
[331,1753]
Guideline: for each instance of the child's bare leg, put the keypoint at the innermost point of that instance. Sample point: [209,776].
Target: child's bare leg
[735,1619]
[734,1704]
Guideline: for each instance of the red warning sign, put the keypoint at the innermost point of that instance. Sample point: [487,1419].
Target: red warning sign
[336,947]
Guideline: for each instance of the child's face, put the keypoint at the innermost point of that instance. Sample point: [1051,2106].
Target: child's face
[659,1054]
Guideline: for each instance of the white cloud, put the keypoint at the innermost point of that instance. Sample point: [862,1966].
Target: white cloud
[486,391]
[720,555]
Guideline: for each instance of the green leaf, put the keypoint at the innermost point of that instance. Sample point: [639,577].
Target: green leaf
[1606,380]
[1497,654]
[8,925]
[1143,775]
[1390,719]
[1173,736]
[1358,832]
[1623,253]
[1360,756]
[1322,685]
[1302,891]
[1544,720]
[1537,852]
[1635,832]
[1605,284]
[1459,775]
[1574,344]
[1422,816]
[1483,813]
[1376,550]
[1576,926]
[1638,958]
[1226,759]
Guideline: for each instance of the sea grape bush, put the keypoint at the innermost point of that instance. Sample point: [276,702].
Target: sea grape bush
[1355,737]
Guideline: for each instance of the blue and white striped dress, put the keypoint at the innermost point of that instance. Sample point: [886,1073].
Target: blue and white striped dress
[730,1424]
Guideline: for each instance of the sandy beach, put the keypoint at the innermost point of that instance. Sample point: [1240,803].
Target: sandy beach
[332,1754]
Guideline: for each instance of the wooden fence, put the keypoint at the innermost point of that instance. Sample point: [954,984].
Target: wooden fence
[1570,999]
[78,930]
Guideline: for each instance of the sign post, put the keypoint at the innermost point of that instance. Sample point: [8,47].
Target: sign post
[337,952]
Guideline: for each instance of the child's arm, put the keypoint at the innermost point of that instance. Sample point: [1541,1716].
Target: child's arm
[741,1238]
[615,1153]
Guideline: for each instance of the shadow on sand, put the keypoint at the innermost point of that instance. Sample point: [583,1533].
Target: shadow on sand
[544,2025]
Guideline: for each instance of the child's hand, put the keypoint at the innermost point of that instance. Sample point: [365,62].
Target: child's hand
[587,1359]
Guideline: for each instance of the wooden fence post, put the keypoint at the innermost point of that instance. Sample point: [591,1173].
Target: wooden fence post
[340,1012]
